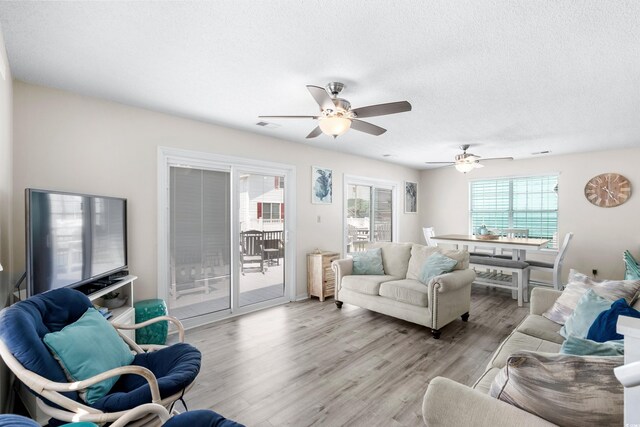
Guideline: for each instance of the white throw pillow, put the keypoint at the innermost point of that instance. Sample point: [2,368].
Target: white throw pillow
[579,284]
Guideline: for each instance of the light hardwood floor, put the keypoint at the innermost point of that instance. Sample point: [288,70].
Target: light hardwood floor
[310,364]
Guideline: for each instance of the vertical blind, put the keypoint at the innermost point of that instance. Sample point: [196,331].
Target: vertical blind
[523,202]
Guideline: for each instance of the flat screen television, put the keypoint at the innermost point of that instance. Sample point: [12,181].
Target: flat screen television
[73,239]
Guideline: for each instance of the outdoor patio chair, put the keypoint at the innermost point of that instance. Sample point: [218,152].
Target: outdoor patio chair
[252,251]
[161,376]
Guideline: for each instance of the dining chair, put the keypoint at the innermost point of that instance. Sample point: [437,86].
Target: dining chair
[555,267]
[429,232]
[513,233]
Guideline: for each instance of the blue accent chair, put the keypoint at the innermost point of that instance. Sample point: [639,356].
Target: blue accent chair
[200,418]
[22,328]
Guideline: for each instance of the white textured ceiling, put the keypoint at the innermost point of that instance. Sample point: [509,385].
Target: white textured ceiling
[509,77]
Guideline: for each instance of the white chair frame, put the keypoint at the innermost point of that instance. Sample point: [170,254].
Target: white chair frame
[557,266]
[429,232]
[144,415]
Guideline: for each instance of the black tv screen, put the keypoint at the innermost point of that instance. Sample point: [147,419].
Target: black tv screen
[73,239]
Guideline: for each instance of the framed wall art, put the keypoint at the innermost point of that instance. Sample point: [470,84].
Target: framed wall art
[410,197]
[321,185]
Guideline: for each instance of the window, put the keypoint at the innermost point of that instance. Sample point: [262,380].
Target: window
[522,202]
[273,212]
[369,215]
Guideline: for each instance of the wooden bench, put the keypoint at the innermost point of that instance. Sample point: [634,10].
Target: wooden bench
[494,275]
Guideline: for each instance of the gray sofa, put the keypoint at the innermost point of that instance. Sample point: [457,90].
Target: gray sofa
[400,294]
[448,403]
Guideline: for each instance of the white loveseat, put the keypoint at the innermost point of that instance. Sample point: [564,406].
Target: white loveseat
[399,293]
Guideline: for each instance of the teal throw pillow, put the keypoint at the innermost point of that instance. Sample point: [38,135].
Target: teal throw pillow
[584,347]
[436,265]
[87,348]
[590,305]
[368,262]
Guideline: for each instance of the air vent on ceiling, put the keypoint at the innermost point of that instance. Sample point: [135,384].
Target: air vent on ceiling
[268,125]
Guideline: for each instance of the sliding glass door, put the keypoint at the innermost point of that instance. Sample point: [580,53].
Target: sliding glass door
[222,235]
[369,212]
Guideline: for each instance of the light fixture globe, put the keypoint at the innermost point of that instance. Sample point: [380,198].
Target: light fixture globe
[334,126]
[464,167]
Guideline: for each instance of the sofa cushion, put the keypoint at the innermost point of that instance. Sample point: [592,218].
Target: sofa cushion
[568,390]
[419,255]
[589,307]
[395,257]
[368,262]
[462,256]
[518,341]
[483,384]
[579,284]
[541,327]
[368,285]
[406,290]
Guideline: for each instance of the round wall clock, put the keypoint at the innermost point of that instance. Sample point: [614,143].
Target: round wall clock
[608,190]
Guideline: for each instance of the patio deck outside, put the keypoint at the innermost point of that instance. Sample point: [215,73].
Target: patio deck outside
[214,295]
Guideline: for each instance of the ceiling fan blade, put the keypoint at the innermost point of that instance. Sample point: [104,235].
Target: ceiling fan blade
[439,163]
[322,97]
[317,131]
[478,165]
[287,117]
[367,127]
[382,109]
[497,158]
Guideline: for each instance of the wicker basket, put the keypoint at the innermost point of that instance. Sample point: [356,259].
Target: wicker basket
[487,237]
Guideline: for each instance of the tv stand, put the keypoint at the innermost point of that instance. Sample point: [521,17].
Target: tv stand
[122,315]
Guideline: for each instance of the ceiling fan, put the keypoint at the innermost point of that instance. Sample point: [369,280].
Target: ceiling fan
[336,116]
[466,162]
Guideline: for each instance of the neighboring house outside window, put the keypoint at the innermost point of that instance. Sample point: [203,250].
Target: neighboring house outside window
[270,212]
[519,202]
[261,204]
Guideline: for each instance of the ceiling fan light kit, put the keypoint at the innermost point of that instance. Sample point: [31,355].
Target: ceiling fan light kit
[466,162]
[464,167]
[334,126]
[336,116]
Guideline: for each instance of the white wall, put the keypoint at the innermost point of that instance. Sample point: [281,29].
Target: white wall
[600,234]
[6,276]
[74,143]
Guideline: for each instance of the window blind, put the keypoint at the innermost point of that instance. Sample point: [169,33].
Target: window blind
[200,223]
[523,202]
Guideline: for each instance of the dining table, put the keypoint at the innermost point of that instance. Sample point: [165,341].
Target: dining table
[517,245]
